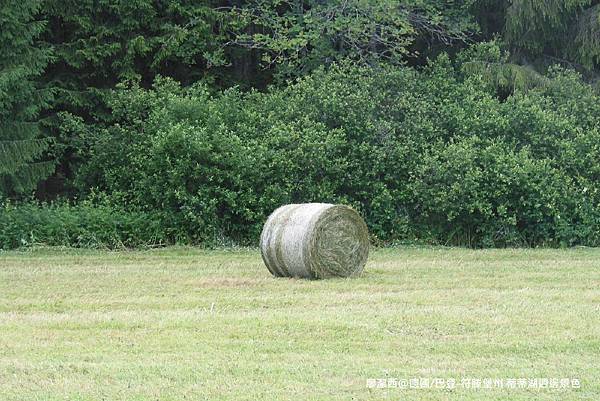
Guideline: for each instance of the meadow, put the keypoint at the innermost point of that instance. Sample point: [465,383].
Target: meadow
[186,323]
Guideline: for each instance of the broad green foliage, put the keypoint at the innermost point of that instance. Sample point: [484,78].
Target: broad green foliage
[21,61]
[429,155]
[212,166]
[479,192]
[443,121]
[299,36]
[87,224]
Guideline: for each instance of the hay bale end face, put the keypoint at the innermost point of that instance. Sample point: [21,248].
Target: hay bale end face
[314,240]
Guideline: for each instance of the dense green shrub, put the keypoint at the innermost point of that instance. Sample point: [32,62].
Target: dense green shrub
[489,146]
[479,192]
[84,225]
[189,157]
[432,155]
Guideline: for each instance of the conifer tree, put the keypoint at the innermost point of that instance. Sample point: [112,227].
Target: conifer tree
[529,36]
[559,30]
[22,59]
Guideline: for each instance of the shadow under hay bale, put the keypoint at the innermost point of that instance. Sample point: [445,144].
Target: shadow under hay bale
[315,240]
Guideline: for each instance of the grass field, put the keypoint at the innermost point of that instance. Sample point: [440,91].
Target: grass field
[181,324]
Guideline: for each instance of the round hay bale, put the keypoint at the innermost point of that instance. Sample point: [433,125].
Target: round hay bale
[314,240]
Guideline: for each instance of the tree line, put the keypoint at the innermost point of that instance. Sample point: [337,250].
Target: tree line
[67,135]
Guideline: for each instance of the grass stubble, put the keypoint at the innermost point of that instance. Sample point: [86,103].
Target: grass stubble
[184,323]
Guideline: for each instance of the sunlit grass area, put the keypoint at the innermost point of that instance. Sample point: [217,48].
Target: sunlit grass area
[183,323]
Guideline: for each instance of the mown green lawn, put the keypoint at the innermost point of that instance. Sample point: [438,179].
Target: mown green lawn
[189,324]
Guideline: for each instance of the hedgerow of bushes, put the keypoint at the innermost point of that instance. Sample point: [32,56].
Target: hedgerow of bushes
[434,155]
[88,225]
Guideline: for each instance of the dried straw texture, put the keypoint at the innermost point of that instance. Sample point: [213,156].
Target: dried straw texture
[315,240]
